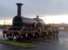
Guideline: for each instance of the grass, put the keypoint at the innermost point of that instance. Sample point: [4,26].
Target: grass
[17,44]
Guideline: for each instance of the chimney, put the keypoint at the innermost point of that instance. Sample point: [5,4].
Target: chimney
[19,5]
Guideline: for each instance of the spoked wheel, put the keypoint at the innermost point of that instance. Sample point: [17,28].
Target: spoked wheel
[29,36]
[36,35]
[10,36]
[18,38]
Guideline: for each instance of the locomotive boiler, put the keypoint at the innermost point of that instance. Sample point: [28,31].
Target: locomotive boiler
[28,28]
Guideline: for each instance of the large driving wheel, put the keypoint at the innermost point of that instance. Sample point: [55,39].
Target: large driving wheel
[10,36]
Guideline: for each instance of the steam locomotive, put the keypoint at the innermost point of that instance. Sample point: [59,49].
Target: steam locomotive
[28,28]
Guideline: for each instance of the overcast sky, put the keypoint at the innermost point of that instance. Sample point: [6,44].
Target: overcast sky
[34,7]
[53,11]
